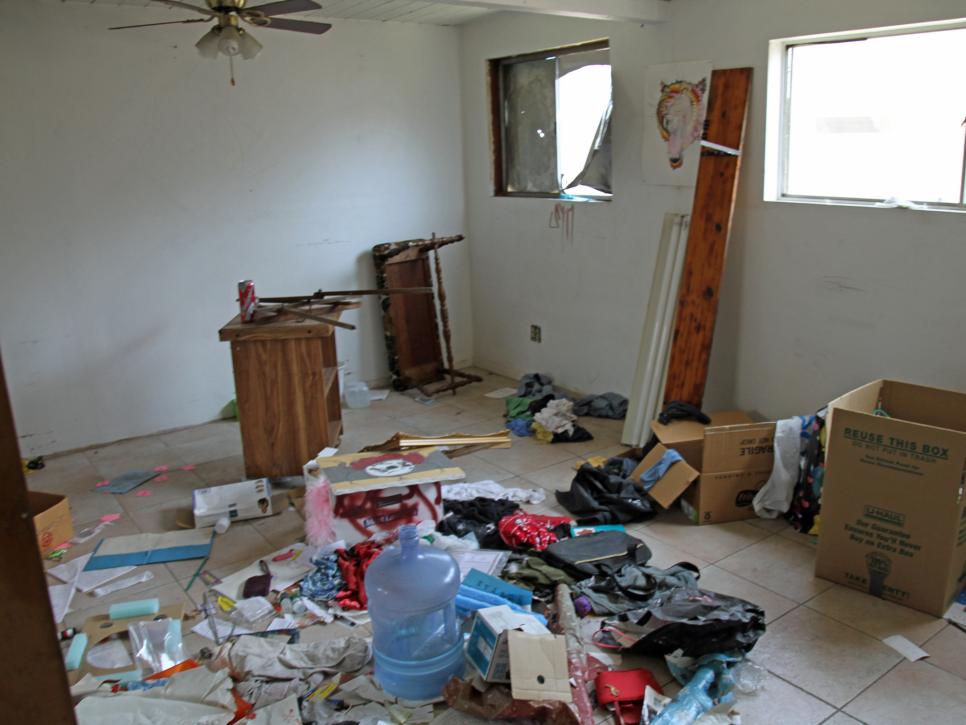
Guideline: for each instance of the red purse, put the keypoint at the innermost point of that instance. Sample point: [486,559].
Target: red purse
[624,689]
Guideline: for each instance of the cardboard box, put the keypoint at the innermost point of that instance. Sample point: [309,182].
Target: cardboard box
[488,647]
[673,483]
[237,501]
[733,456]
[893,520]
[375,492]
[51,514]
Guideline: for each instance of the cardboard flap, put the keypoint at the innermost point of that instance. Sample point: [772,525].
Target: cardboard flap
[538,667]
[687,431]
[673,484]
[748,447]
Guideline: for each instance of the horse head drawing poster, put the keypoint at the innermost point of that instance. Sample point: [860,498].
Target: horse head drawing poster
[674,109]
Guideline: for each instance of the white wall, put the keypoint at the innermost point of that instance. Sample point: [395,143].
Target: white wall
[816,300]
[137,188]
[589,295]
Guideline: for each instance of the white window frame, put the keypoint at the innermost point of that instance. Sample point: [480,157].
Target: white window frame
[777,104]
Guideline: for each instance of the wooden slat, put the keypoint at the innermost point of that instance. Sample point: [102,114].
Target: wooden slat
[33,683]
[711,216]
[415,328]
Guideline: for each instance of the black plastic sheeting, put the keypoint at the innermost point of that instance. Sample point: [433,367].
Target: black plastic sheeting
[606,496]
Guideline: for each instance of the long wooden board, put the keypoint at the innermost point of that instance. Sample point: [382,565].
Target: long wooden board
[711,216]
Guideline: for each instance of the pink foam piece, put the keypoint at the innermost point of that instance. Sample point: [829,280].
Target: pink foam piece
[101,484]
[142,494]
[189,467]
[160,469]
[110,518]
[160,479]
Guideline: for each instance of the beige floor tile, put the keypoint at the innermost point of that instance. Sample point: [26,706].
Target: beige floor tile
[206,443]
[876,617]
[135,454]
[554,478]
[947,650]
[712,542]
[823,657]
[89,506]
[478,469]
[779,702]
[526,456]
[779,565]
[775,526]
[799,538]
[171,515]
[241,544]
[914,692]
[487,407]
[397,405]
[222,470]
[281,529]
[840,718]
[442,419]
[600,441]
[172,487]
[66,474]
[718,580]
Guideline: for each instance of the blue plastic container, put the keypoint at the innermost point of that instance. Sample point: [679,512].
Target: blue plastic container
[416,640]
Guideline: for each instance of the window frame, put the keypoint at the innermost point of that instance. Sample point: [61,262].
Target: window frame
[498,128]
[778,100]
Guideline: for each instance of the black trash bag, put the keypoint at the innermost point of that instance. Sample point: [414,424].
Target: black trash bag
[605,496]
[479,516]
[693,620]
[605,551]
[577,435]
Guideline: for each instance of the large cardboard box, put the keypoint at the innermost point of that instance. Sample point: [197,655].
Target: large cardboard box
[51,514]
[893,519]
[734,457]
[379,492]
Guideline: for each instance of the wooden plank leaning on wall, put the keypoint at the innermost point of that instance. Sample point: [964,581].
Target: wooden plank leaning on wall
[711,215]
[33,682]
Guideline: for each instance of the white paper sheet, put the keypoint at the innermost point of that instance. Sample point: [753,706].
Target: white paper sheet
[281,623]
[88,580]
[284,573]
[59,600]
[224,629]
[906,648]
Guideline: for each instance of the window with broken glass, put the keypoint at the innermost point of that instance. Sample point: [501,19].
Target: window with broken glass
[551,115]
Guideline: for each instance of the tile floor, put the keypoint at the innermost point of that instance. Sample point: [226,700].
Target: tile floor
[822,651]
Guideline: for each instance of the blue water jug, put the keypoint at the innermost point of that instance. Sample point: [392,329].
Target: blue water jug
[416,640]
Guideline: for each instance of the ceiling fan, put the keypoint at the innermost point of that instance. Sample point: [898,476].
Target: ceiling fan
[227,36]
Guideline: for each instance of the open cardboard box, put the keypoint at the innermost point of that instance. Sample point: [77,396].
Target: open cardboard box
[893,520]
[51,514]
[732,456]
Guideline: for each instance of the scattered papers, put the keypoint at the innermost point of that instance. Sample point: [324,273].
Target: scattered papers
[60,600]
[284,573]
[142,549]
[379,394]
[906,648]
[281,623]
[254,608]
[225,629]
[488,561]
[126,482]
[284,712]
[501,393]
[87,580]
[144,576]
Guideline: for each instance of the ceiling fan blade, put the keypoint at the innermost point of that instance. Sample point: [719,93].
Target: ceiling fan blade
[186,6]
[283,7]
[299,26]
[169,22]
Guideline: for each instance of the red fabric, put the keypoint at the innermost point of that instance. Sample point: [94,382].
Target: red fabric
[521,530]
[353,564]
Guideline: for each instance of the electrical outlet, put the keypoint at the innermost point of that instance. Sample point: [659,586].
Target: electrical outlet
[535,333]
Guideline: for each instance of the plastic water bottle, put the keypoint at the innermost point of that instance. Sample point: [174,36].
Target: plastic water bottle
[416,641]
[357,395]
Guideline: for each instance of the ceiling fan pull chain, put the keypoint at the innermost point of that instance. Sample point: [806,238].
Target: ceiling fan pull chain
[231,69]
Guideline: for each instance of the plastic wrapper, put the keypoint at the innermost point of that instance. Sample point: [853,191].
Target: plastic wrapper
[157,644]
[252,609]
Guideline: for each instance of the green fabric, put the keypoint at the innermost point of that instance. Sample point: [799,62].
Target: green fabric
[535,572]
[518,408]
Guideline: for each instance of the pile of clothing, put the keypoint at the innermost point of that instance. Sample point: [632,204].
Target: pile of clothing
[537,410]
[339,577]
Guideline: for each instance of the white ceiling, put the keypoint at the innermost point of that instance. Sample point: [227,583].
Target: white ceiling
[405,11]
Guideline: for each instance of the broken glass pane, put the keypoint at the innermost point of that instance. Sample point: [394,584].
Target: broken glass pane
[530,128]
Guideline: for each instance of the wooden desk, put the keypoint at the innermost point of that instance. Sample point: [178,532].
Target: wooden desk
[287,391]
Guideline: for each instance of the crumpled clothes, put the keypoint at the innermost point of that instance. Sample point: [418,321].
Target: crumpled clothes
[532,531]
[557,416]
[577,435]
[605,496]
[353,563]
[656,472]
[518,408]
[479,516]
[540,403]
[775,497]
[323,584]
[521,427]
[608,405]
[535,385]
[491,489]
[633,586]
[534,573]
[267,671]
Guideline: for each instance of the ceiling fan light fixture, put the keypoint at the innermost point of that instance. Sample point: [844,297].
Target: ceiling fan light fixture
[229,41]
[248,45]
[208,45]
